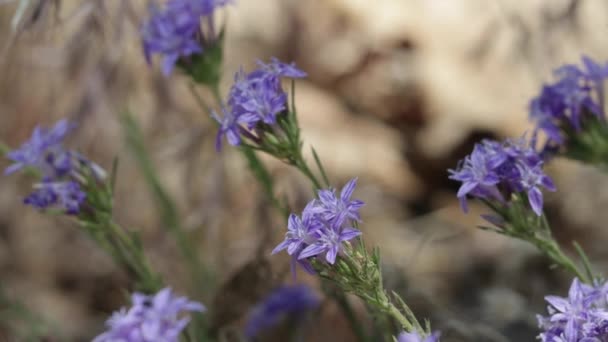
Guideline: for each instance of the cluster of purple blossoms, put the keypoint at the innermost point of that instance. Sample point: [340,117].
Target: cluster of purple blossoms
[255,98]
[494,171]
[415,337]
[181,29]
[582,317]
[150,319]
[288,302]
[57,166]
[325,225]
[566,104]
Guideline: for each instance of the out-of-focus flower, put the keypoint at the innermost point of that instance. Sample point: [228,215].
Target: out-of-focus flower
[160,317]
[494,171]
[67,196]
[176,31]
[63,173]
[288,302]
[581,317]
[563,108]
[43,151]
[416,337]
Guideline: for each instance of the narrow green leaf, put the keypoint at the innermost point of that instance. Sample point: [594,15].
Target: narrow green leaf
[320,167]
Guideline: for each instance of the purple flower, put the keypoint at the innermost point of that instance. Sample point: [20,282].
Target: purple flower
[322,228]
[172,33]
[255,99]
[575,95]
[43,151]
[300,233]
[335,208]
[67,196]
[581,317]
[494,171]
[231,126]
[330,241]
[150,319]
[415,337]
[258,93]
[175,32]
[285,302]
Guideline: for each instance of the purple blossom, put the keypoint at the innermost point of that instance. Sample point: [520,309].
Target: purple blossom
[172,33]
[67,196]
[565,104]
[323,228]
[331,240]
[285,302]
[300,233]
[231,126]
[334,207]
[256,98]
[159,317]
[581,317]
[494,171]
[43,151]
[258,93]
[63,173]
[416,337]
[175,32]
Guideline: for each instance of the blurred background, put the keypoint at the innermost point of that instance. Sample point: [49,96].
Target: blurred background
[398,91]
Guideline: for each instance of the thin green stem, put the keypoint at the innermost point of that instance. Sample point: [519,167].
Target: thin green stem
[585,260]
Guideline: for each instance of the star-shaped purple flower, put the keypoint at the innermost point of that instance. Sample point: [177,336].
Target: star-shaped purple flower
[330,241]
[151,318]
[43,151]
[341,207]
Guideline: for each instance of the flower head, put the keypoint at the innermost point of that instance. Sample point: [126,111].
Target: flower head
[67,196]
[171,33]
[255,101]
[284,302]
[44,151]
[325,227]
[494,171]
[581,317]
[335,207]
[564,106]
[63,173]
[151,318]
[415,337]
[175,32]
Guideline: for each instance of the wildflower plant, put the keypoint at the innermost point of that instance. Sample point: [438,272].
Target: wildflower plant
[70,184]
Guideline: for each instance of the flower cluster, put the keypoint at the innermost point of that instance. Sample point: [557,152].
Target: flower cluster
[182,29]
[255,99]
[324,226]
[285,302]
[576,97]
[60,169]
[150,319]
[494,171]
[582,317]
[415,337]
